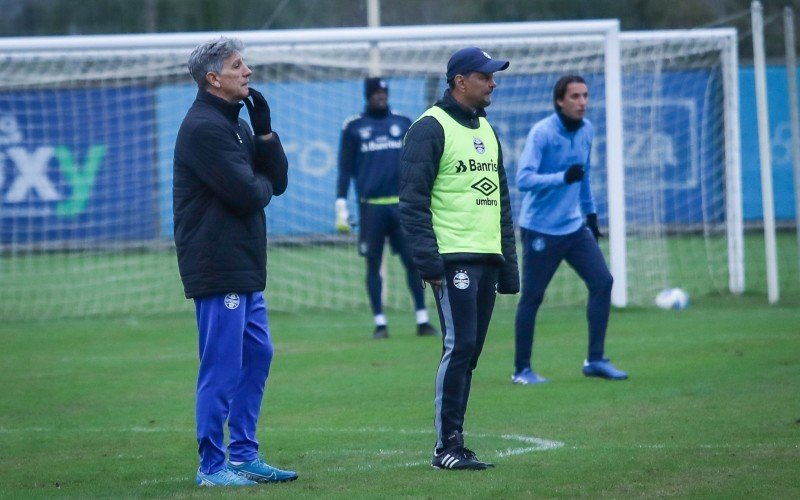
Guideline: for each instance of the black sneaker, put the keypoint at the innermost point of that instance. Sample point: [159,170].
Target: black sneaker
[426,330]
[454,456]
[381,332]
[471,455]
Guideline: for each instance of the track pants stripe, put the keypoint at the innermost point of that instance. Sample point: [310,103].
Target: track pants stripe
[448,341]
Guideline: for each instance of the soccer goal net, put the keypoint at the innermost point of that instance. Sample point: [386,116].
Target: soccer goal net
[88,125]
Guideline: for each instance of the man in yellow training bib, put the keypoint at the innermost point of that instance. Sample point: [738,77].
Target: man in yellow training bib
[455,209]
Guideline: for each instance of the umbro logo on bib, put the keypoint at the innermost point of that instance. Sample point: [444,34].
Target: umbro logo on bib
[485,186]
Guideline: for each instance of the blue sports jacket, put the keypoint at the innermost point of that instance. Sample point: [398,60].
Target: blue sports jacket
[549,205]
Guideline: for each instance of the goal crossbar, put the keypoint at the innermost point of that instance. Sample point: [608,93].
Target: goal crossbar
[308,36]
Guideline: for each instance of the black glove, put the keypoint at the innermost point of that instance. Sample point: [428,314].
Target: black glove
[573,174]
[259,113]
[508,279]
[508,286]
[271,161]
[591,223]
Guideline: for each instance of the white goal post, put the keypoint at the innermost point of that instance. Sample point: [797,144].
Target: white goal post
[87,128]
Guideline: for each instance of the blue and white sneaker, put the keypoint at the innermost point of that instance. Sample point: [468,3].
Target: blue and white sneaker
[260,471]
[223,477]
[528,376]
[603,369]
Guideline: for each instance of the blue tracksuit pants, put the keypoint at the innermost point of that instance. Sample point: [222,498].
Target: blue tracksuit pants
[541,256]
[235,356]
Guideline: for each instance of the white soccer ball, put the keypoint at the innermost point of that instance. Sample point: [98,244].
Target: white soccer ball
[672,298]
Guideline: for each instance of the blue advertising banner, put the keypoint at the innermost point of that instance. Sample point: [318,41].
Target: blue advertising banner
[88,175]
[681,157]
[85,176]
[664,150]
[308,116]
[780,139]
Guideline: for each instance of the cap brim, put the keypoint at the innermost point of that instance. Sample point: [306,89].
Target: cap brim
[493,65]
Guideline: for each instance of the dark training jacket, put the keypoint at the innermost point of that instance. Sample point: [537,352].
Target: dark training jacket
[223,178]
[419,165]
[369,151]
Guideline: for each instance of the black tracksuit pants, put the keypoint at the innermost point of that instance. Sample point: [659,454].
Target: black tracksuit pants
[377,223]
[465,302]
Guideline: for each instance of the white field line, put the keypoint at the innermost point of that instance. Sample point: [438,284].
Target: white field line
[122,430]
[165,480]
[537,444]
[530,444]
[533,444]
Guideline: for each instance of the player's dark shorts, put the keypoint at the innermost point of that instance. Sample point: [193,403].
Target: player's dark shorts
[375,224]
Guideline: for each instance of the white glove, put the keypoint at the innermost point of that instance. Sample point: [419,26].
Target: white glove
[342,216]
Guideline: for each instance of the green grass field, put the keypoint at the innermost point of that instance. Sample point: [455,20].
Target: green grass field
[104,408]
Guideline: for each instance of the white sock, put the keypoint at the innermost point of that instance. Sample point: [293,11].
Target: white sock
[422,316]
[380,320]
[236,463]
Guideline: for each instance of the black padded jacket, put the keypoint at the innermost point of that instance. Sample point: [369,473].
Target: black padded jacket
[223,177]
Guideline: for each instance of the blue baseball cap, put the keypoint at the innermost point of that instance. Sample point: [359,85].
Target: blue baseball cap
[471,59]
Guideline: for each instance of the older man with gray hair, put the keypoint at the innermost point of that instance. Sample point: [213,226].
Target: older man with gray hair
[224,176]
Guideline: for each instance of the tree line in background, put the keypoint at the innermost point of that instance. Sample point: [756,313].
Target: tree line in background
[84,17]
